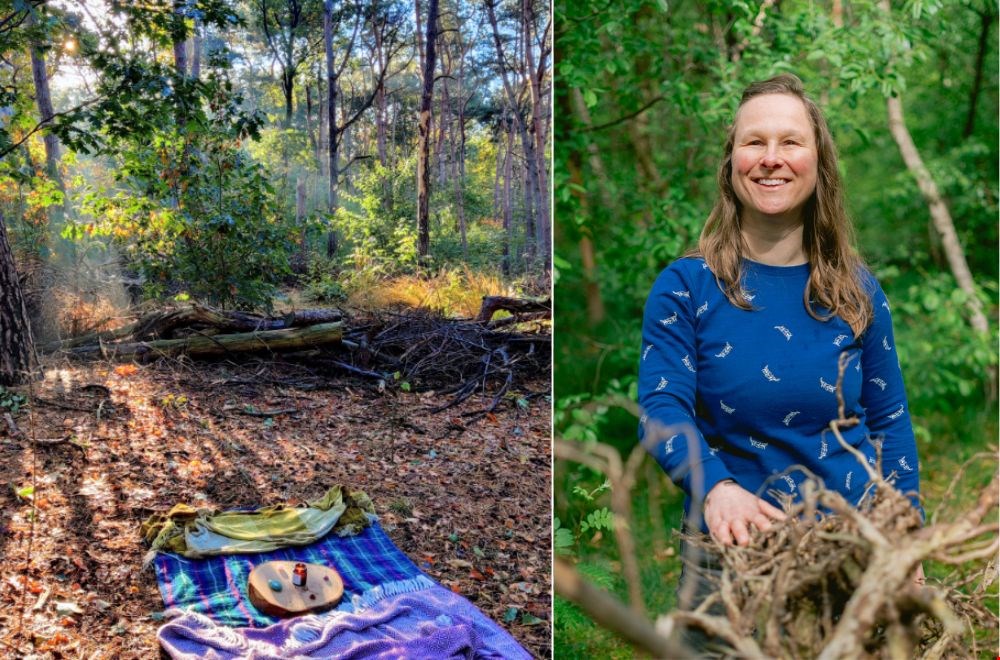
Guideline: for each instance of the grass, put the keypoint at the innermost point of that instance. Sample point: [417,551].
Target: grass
[452,292]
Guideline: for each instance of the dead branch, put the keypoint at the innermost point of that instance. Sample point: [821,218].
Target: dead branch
[609,612]
[266,340]
[493,304]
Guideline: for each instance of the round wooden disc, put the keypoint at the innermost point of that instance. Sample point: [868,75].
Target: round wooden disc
[323,589]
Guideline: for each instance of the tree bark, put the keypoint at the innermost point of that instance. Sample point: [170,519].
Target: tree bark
[266,340]
[532,191]
[180,45]
[535,73]
[331,124]
[43,99]
[423,161]
[161,324]
[508,174]
[939,211]
[986,21]
[17,350]
[196,50]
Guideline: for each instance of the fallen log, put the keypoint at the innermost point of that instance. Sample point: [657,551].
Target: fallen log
[242,342]
[160,324]
[493,304]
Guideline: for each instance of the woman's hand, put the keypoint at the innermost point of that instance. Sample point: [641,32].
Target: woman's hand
[730,510]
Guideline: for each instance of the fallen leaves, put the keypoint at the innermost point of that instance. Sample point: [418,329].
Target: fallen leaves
[468,504]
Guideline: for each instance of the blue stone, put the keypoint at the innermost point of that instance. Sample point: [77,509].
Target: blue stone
[275,585]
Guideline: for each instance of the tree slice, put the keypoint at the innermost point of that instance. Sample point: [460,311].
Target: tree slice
[323,589]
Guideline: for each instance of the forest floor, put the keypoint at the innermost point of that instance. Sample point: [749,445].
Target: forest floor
[469,503]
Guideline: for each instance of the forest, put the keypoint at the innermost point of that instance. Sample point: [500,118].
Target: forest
[644,92]
[251,249]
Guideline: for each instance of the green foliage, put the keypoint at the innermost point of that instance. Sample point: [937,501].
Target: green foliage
[562,538]
[323,283]
[645,91]
[196,212]
[597,520]
[11,401]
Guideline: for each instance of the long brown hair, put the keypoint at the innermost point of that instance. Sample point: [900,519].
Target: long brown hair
[828,236]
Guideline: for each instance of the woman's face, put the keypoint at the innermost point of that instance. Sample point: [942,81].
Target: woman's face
[774,158]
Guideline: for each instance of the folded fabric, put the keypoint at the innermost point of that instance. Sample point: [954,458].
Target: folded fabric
[206,532]
[216,586]
[429,624]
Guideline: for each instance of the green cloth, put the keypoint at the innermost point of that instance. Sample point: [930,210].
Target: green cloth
[194,533]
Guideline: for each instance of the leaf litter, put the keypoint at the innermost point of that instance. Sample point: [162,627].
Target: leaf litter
[467,501]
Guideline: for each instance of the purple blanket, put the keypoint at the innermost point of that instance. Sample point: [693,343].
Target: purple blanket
[430,624]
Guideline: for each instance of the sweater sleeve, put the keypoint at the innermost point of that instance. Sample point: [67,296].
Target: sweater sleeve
[667,388]
[884,400]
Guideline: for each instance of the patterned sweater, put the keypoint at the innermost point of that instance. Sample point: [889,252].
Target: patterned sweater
[748,394]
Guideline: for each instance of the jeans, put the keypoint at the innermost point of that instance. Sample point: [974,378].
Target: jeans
[705,576]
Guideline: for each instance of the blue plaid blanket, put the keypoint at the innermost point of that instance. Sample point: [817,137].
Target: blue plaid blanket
[217,586]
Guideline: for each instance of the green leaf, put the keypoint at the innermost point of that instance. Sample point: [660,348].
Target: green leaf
[563,539]
[25,493]
[530,619]
[510,615]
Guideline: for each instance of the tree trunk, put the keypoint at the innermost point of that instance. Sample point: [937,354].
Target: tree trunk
[266,340]
[302,265]
[531,189]
[508,174]
[180,46]
[591,284]
[331,123]
[381,115]
[986,21]
[444,111]
[309,123]
[43,100]
[939,211]
[321,121]
[423,161]
[17,351]
[196,50]
[535,71]
[532,192]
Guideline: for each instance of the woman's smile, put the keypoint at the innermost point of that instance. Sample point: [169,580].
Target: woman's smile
[774,159]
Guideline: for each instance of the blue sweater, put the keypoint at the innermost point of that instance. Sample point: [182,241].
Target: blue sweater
[747,394]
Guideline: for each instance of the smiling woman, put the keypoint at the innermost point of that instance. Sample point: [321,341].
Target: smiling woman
[744,338]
